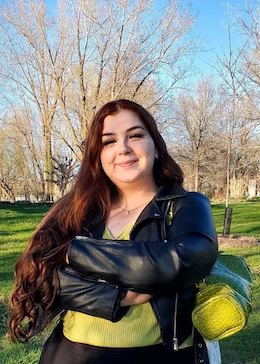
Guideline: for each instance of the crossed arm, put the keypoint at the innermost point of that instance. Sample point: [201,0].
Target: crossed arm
[154,266]
[141,266]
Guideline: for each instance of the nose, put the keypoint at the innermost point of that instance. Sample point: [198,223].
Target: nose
[123,146]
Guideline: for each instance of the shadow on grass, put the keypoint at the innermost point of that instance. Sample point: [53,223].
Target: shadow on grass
[218,206]
[8,262]
[6,277]
[252,231]
[7,270]
[21,218]
[26,208]
[13,232]
[242,348]
[247,255]
[17,213]
[3,318]
[243,252]
[18,353]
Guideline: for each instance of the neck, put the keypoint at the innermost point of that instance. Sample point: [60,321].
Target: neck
[131,196]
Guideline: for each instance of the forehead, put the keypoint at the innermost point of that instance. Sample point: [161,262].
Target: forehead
[121,121]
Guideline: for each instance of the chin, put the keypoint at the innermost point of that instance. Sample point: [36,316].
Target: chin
[128,180]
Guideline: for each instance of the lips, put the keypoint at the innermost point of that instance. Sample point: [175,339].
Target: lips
[127,163]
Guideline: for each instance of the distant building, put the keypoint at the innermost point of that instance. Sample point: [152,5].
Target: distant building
[253,188]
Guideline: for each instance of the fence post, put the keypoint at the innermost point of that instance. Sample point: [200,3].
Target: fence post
[227,221]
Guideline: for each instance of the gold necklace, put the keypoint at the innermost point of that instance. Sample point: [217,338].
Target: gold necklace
[129,211]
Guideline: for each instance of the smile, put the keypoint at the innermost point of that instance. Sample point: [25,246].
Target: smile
[127,164]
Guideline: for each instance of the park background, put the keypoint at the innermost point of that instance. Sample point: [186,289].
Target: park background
[194,64]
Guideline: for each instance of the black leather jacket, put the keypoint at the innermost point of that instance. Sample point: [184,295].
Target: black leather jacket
[173,258]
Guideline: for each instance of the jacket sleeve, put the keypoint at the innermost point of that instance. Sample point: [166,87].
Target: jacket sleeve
[154,266]
[90,296]
[194,232]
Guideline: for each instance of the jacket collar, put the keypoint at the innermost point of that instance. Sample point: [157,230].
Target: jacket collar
[168,192]
[156,208]
[152,210]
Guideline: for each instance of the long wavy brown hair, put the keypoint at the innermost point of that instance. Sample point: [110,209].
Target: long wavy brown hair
[91,195]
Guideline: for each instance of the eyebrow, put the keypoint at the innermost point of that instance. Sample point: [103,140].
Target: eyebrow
[130,129]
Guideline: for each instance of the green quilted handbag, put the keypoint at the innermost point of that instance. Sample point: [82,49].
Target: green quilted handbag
[223,302]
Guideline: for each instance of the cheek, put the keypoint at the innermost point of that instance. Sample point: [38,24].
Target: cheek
[148,151]
[103,159]
[106,158]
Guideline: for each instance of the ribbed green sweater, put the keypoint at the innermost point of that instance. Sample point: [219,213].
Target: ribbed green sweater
[137,328]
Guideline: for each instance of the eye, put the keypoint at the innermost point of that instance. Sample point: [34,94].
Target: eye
[108,141]
[137,135]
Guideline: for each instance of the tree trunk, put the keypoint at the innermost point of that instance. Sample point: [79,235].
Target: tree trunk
[48,163]
[196,174]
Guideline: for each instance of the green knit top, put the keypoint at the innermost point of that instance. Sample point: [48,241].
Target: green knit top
[137,328]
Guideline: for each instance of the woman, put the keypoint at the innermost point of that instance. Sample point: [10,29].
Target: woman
[130,244]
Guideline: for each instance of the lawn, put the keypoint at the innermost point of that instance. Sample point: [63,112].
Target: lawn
[245,218]
[17,223]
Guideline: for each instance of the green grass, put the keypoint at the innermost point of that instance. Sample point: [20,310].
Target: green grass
[245,346]
[17,223]
[245,218]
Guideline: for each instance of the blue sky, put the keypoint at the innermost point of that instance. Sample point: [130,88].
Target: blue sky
[211,26]
[211,19]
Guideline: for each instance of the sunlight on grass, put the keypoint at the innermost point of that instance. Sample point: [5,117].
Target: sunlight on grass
[245,218]
[17,224]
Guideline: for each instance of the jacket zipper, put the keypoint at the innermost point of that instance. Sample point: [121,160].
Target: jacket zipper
[175,344]
[175,339]
[168,218]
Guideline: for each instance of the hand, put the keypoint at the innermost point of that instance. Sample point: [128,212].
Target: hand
[134,298]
